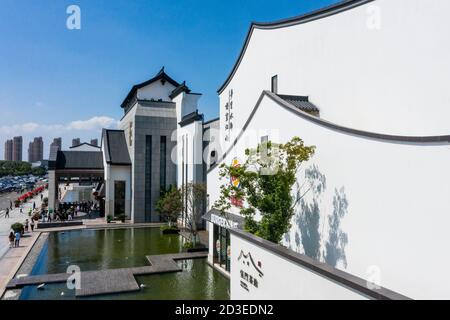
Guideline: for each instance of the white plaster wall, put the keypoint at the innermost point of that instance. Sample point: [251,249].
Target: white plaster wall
[193,135]
[85,147]
[398,201]
[389,80]
[186,103]
[117,173]
[156,91]
[282,279]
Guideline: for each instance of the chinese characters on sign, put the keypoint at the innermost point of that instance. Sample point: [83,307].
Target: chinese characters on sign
[251,273]
[229,115]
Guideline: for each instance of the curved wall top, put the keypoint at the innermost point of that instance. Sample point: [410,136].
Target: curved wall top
[373,65]
[311,16]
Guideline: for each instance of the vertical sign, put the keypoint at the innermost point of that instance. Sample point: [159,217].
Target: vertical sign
[229,115]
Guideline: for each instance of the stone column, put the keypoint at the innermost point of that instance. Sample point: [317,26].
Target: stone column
[52,190]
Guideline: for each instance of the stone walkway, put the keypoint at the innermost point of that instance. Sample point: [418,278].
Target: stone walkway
[12,258]
[115,280]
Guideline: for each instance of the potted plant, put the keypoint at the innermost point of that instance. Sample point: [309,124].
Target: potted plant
[36,216]
[121,217]
[169,229]
[188,245]
[109,218]
[16,203]
[18,227]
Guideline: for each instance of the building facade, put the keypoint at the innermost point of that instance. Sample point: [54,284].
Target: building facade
[8,150]
[17,148]
[76,142]
[57,142]
[353,80]
[350,80]
[36,150]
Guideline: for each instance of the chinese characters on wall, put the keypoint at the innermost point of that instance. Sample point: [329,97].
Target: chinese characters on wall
[229,115]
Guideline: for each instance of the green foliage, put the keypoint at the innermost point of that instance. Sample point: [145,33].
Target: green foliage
[266,181]
[170,204]
[14,168]
[167,227]
[109,218]
[38,171]
[188,245]
[120,217]
[18,227]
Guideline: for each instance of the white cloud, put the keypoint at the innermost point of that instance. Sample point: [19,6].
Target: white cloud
[92,124]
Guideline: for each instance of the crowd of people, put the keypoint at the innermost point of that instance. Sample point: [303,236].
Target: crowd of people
[69,210]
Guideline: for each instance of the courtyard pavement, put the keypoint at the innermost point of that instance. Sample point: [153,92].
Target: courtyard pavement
[12,258]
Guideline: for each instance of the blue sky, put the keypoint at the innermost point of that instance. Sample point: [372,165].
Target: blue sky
[60,82]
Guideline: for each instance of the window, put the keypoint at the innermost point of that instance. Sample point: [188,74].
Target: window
[275,84]
[148,178]
[212,158]
[119,198]
[221,255]
[182,173]
[264,139]
[130,134]
[162,164]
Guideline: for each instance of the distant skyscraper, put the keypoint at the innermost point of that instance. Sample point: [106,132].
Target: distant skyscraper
[36,150]
[76,142]
[94,142]
[8,150]
[17,149]
[56,142]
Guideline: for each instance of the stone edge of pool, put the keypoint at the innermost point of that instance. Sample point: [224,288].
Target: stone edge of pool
[99,281]
[26,265]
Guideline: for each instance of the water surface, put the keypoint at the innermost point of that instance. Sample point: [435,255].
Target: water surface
[120,248]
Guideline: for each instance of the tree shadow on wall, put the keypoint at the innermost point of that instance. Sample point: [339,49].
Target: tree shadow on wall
[308,224]
[307,219]
[337,239]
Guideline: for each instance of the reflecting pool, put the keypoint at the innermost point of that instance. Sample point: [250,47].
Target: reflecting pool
[120,248]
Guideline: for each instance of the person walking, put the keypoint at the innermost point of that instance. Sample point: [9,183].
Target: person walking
[7,213]
[26,225]
[32,225]
[10,204]
[17,239]
[21,209]
[34,205]
[11,238]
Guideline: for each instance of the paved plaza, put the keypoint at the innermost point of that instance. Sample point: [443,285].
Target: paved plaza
[11,258]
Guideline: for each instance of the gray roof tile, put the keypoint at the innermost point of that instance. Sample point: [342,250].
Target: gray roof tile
[116,150]
[301,102]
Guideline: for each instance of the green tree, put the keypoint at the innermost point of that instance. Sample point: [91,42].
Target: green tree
[194,204]
[267,178]
[14,168]
[38,171]
[170,205]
